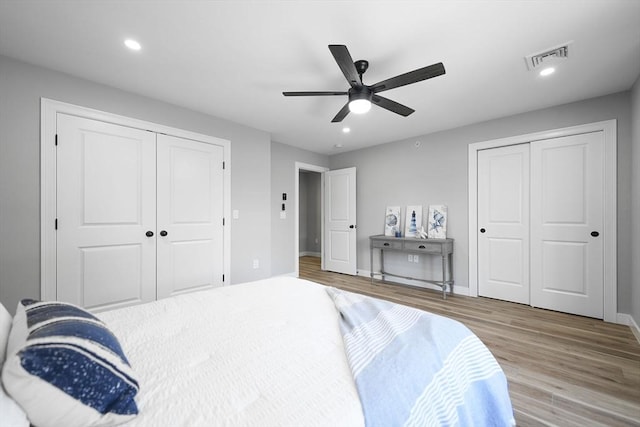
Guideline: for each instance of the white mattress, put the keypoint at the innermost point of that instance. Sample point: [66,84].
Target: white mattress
[266,353]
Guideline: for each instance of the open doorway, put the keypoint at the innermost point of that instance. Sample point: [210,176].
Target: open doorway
[309,228]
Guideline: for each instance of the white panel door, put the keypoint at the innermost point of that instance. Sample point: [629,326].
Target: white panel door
[340,221]
[566,222]
[503,222]
[105,206]
[190,215]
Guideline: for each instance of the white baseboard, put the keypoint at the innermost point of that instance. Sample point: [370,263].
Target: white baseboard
[626,319]
[457,290]
[308,253]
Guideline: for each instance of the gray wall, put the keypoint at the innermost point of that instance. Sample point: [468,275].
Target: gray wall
[399,173]
[21,87]
[283,160]
[310,219]
[635,196]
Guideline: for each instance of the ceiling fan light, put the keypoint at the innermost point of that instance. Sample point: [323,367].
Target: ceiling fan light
[359,106]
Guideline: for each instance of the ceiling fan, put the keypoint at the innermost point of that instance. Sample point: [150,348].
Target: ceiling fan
[360,95]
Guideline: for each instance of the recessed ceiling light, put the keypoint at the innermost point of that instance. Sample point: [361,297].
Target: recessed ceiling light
[346,130]
[547,71]
[132,44]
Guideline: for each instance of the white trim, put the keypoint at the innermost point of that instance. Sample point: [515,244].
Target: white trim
[626,319]
[609,129]
[49,110]
[309,253]
[296,215]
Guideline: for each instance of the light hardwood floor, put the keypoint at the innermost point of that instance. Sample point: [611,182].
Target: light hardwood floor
[563,370]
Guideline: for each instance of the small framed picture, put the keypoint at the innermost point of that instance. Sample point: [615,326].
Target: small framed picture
[413,221]
[392,221]
[437,222]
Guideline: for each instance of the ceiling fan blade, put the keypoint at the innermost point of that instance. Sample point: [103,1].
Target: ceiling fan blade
[345,62]
[341,114]
[390,105]
[313,93]
[418,75]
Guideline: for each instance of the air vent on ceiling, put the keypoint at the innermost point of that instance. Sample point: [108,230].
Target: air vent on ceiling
[536,60]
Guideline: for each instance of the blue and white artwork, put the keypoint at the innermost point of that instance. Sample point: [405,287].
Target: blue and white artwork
[392,221]
[413,221]
[437,222]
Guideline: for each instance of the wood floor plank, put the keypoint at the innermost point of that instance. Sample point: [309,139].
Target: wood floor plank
[563,370]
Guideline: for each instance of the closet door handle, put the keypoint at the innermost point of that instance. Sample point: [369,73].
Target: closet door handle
[149,234]
[163,233]
[482,230]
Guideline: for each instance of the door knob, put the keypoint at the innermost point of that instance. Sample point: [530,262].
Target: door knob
[482,230]
[352,226]
[163,233]
[595,233]
[149,233]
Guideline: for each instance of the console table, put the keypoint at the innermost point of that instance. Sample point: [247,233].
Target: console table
[442,247]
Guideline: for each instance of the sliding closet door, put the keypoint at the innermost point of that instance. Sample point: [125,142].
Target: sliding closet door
[190,215]
[567,218]
[503,223]
[105,208]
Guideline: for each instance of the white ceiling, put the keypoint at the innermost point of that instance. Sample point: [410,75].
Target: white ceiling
[233,59]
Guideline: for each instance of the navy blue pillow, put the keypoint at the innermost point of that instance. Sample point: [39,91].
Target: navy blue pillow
[65,367]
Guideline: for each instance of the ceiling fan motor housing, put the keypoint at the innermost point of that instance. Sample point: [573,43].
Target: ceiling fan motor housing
[362,92]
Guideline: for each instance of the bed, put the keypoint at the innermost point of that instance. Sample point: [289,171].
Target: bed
[288,352]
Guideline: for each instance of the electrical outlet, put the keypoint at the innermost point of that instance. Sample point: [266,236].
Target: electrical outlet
[416,258]
[256,263]
[410,258]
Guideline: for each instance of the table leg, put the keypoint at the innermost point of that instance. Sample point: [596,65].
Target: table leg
[371,263]
[451,274]
[444,277]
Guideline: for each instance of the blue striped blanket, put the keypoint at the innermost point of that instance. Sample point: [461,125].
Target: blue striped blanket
[414,368]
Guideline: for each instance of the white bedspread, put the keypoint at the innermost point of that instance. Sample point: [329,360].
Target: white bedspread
[267,353]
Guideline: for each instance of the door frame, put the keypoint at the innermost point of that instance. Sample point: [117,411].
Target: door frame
[49,110]
[296,215]
[609,129]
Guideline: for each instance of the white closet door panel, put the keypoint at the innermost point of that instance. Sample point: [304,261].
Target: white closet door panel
[190,211]
[105,205]
[503,222]
[114,273]
[567,197]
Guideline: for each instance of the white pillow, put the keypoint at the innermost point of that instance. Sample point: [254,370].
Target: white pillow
[12,414]
[65,368]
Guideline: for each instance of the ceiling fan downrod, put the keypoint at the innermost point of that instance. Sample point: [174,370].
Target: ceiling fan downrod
[361,67]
